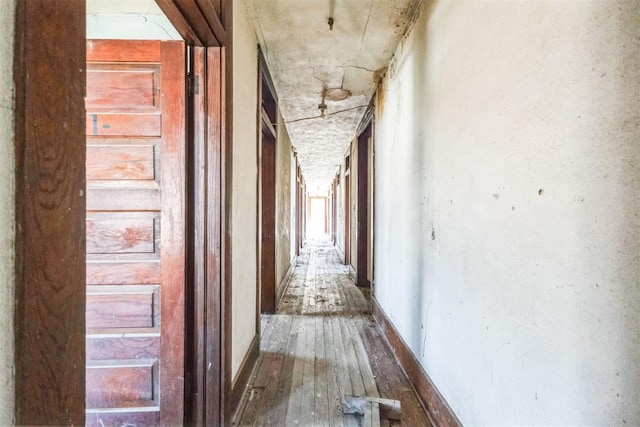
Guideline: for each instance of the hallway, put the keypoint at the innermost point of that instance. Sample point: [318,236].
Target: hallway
[321,346]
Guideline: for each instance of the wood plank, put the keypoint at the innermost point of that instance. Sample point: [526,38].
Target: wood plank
[214,17]
[387,408]
[122,233]
[121,311]
[106,199]
[195,296]
[118,162]
[218,290]
[49,75]
[278,414]
[119,347]
[197,21]
[121,124]
[123,273]
[357,383]
[173,152]
[131,51]
[321,375]
[118,384]
[272,370]
[296,402]
[334,397]
[132,88]
[307,408]
[368,379]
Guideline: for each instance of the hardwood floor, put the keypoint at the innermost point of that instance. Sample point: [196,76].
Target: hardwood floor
[320,347]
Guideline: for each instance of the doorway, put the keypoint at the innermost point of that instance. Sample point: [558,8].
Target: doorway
[268,108]
[363,214]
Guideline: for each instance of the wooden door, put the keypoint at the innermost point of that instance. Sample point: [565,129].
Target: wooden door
[135,231]
[268,241]
[363,208]
[347,215]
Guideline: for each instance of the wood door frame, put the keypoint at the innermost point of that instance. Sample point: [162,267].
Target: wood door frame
[267,159]
[362,215]
[50,205]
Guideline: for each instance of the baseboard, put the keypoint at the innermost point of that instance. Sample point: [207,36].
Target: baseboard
[431,398]
[284,283]
[340,253]
[244,374]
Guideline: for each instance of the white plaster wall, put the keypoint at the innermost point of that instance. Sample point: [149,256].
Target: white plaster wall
[507,249]
[128,20]
[245,175]
[283,202]
[7,234]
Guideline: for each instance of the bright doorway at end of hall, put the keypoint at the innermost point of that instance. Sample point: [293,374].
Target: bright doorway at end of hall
[317,224]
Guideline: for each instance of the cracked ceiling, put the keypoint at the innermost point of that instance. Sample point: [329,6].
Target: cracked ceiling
[306,58]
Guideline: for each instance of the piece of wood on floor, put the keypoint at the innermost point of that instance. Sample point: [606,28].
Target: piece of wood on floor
[388,408]
[372,415]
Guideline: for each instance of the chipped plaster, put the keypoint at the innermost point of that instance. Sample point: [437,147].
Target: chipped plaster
[305,56]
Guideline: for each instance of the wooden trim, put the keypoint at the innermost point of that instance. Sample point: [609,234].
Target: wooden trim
[179,22]
[132,51]
[197,167]
[264,68]
[266,122]
[190,21]
[173,253]
[429,395]
[216,296]
[340,253]
[244,373]
[226,197]
[213,16]
[367,118]
[284,283]
[49,312]
[198,22]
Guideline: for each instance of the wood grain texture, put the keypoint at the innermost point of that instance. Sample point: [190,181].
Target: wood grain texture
[433,401]
[218,388]
[173,254]
[128,88]
[197,167]
[131,51]
[120,162]
[49,75]
[198,21]
[135,236]
[132,384]
[316,353]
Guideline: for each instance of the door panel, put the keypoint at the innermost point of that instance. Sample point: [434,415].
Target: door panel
[135,232]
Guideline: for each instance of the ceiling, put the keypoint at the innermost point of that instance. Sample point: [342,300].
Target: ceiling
[306,59]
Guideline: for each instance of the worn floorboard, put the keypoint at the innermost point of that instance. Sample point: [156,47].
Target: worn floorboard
[320,346]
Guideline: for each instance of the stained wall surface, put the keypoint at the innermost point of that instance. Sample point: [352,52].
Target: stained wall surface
[244,186]
[507,236]
[7,214]
[284,204]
